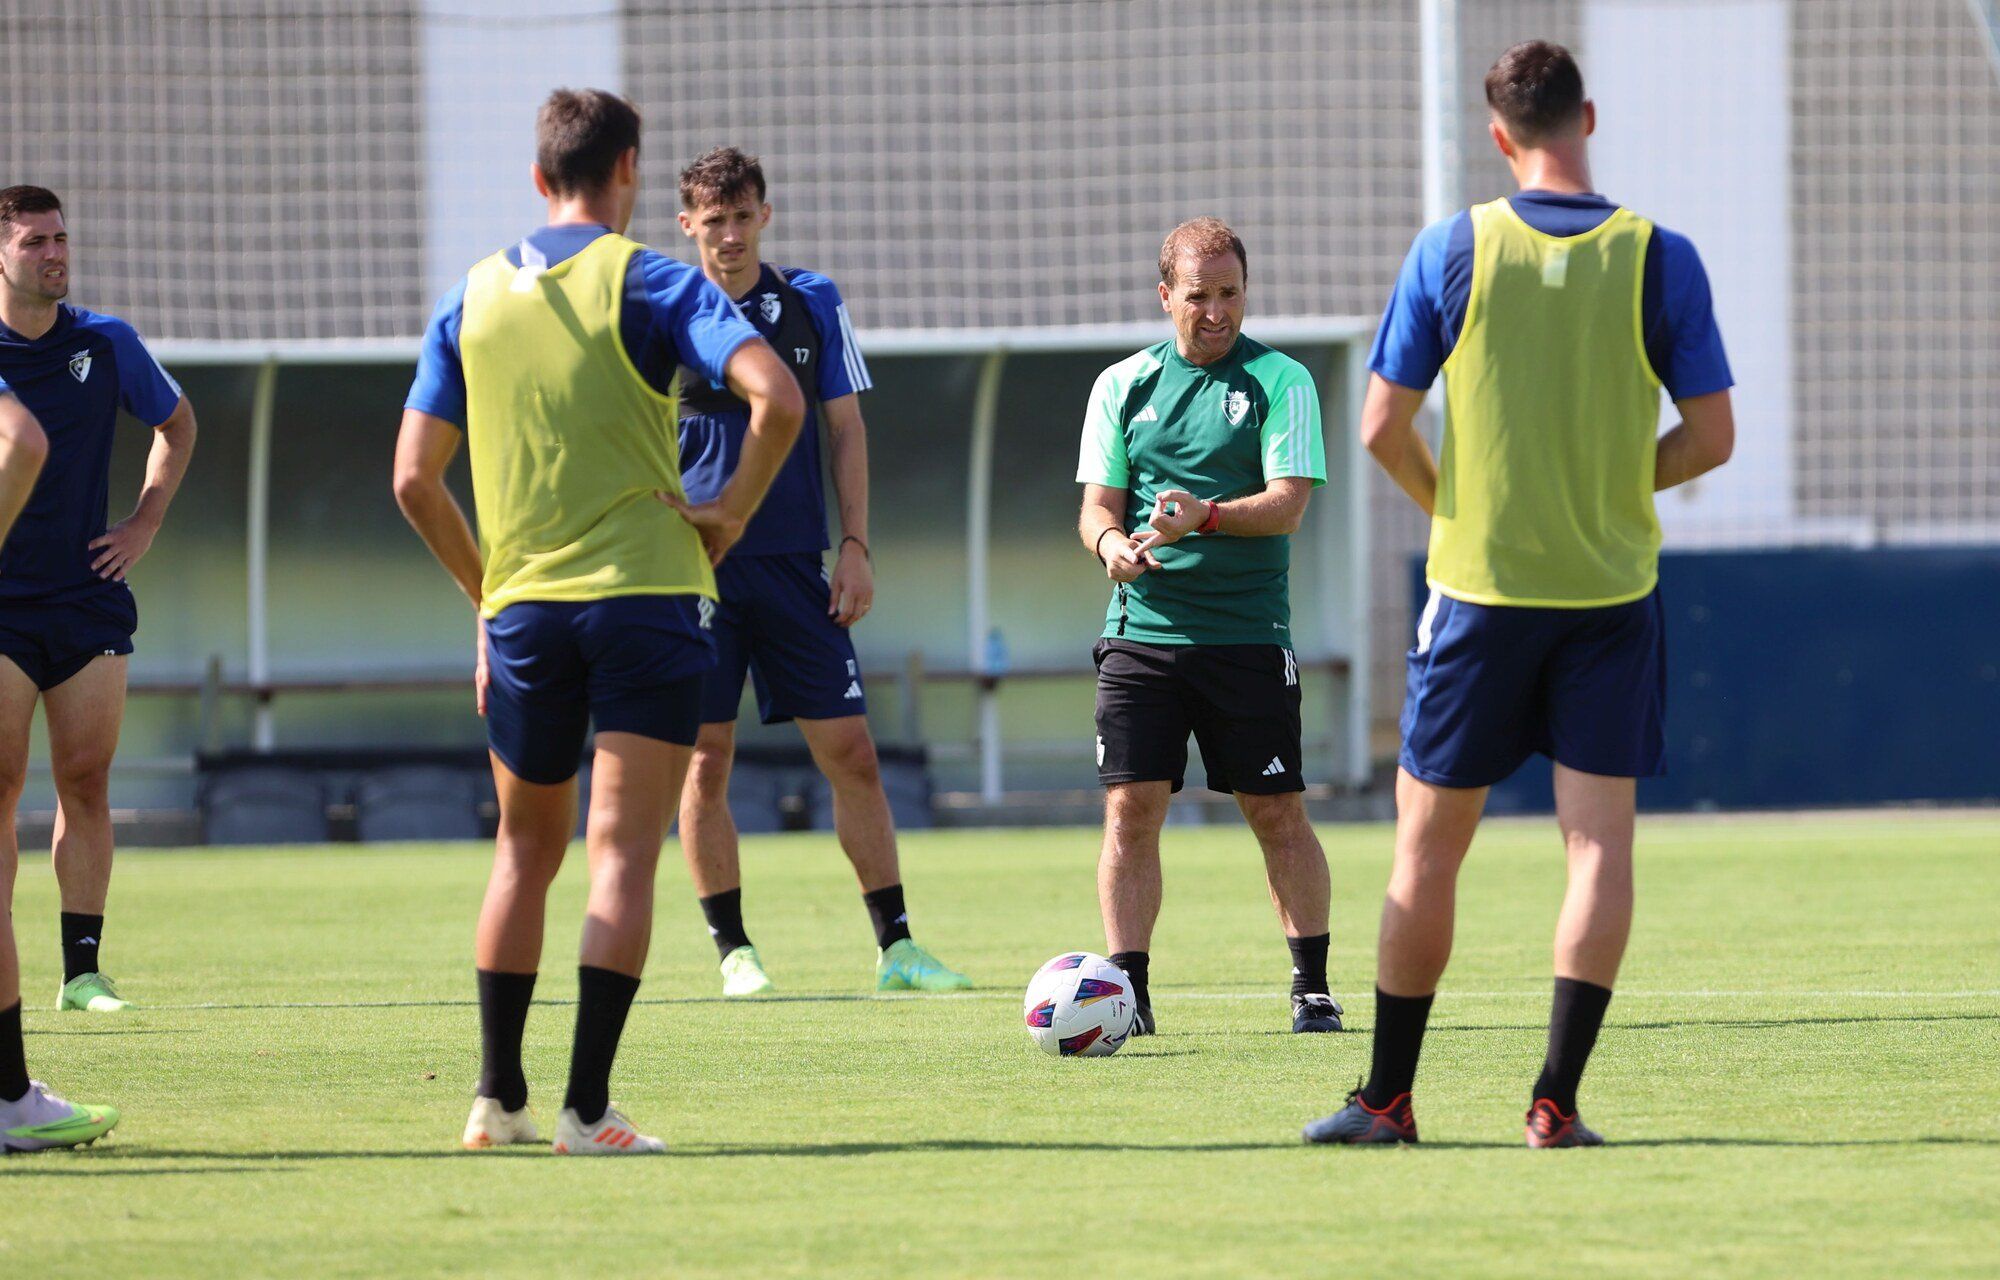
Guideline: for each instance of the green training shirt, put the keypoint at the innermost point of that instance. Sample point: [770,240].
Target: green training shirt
[1219,432]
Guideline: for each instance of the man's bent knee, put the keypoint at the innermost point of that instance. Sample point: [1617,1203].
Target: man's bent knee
[82,779]
[845,753]
[1136,809]
[1276,818]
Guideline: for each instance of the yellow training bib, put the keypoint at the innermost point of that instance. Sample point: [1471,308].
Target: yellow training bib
[1545,485]
[569,443]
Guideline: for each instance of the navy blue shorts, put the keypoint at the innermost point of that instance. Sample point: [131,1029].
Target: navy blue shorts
[52,642]
[631,664]
[772,622]
[1490,685]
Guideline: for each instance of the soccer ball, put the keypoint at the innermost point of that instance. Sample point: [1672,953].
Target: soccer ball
[1079,1006]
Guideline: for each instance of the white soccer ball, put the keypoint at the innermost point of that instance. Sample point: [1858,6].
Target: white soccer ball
[1079,1006]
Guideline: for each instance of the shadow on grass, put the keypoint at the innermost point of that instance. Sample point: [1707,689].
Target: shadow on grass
[1833,1020]
[41,1165]
[1927,1140]
[261,1161]
[109,1031]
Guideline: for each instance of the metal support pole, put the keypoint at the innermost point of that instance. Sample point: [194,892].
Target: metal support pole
[1360,567]
[1341,547]
[1986,16]
[263,406]
[978,541]
[1439,117]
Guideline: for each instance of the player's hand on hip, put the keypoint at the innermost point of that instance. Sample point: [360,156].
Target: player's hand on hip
[121,546]
[481,672]
[719,528]
[851,590]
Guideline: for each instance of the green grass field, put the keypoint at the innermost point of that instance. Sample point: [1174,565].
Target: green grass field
[1801,1072]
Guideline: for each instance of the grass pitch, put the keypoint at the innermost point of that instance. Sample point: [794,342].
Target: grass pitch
[1801,1071]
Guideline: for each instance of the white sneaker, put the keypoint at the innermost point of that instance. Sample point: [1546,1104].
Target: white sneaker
[38,1120]
[492,1125]
[613,1135]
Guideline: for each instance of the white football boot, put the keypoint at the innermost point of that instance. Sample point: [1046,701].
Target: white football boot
[492,1125]
[613,1135]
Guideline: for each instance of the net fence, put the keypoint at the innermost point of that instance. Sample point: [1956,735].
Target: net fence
[242,169]
[230,170]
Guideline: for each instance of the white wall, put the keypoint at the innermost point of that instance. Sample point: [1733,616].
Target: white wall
[1694,131]
[488,64]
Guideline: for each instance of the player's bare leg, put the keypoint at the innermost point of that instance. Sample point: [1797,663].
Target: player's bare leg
[536,823]
[31,1116]
[1434,830]
[1597,815]
[708,831]
[1301,890]
[84,714]
[709,845]
[1129,884]
[17,714]
[635,784]
[844,751]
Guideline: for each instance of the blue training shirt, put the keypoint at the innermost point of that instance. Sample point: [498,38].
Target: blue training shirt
[1427,309]
[793,516]
[74,379]
[672,316]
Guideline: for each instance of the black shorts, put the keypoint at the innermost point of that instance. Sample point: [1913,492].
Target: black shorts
[1241,702]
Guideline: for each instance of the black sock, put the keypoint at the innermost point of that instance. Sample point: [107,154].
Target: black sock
[80,936]
[13,1057]
[1573,1022]
[603,998]
[1399,1038]
[1309,964]
[724,913]
[503,1014]
[886,911]
[1134,965]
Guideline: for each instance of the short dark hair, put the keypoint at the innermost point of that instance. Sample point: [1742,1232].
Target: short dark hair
[15,201]
[579,135]
[1200,238]
[1536,89]
[722,176]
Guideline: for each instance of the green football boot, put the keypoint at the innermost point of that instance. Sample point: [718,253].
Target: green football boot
[91,991]
[905,966]
[743,974]
[39,1120]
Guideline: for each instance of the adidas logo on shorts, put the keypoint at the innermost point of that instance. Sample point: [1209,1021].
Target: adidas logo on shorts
[1274,768]
[853,689]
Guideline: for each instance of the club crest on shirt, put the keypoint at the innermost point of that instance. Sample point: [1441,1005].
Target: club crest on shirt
[770,308]
[79,365]
[1234,406]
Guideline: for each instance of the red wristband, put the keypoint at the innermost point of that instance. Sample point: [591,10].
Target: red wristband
[1214,520]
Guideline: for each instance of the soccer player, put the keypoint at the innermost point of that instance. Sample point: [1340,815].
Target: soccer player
[1199,455]
[32,1117]
[66,615]
[557,361]
[779,614]
[1556,317]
